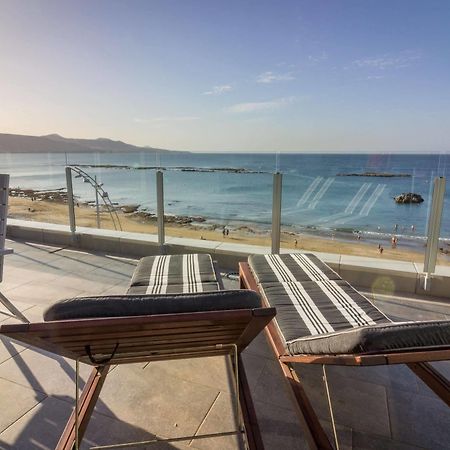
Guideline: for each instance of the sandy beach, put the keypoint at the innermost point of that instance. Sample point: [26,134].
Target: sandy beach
[56,212]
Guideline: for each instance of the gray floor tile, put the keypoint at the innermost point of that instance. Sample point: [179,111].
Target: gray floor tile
[166,405]
[221,417]
[365,441]
[43,372]
[15,401]
[280,428]
[419,420]
[103,430]
[214,372]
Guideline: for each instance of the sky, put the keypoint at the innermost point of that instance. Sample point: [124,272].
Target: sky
[230,75]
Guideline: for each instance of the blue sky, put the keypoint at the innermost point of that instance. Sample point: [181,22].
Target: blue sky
[230,75]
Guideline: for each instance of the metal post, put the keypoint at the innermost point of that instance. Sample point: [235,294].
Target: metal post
[276,212]
[4,193]
[70,203]
[97,208]
[434,227]
[160,206]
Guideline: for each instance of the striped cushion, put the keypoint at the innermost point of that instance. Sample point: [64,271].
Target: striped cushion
[319,313]
[311,308]
[311,299]
[169,274]
[290,267]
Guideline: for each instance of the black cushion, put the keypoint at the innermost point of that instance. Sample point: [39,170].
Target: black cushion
[136,305]
[404,336]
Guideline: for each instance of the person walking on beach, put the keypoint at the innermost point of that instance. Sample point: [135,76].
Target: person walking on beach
[394,241]
[295,243]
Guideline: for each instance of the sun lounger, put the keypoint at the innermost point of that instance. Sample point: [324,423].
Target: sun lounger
[173,309]
[322,319]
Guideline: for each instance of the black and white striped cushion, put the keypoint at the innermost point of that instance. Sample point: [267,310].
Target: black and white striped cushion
[290,267]
[311,299]
[319,313]
[169,274]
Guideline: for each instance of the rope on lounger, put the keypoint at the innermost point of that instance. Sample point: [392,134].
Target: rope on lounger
[101,361]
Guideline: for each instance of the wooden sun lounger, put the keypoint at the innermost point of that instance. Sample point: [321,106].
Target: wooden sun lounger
[299,286]
[160,326]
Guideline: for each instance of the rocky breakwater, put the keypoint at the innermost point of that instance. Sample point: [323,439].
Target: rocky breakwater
[144,216]
[55,195]
[408,197]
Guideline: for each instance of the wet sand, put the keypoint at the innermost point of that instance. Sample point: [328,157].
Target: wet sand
[56,212]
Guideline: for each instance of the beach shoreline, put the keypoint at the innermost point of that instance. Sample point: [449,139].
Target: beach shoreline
[33,207]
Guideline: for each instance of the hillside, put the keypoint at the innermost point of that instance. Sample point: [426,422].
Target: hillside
[53,143]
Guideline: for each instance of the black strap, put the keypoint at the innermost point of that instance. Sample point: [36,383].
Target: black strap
[100,361]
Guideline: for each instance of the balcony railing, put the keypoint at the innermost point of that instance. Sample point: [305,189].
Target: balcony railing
[330,203]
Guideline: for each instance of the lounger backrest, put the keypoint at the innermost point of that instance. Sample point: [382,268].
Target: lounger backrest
[311,299]
[171,274]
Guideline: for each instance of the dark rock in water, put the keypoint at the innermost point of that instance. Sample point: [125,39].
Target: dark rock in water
[409,197]
[129,208]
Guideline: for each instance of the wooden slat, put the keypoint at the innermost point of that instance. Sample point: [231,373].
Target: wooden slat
[145,332]
[371,360]
[60,326]
[99,344]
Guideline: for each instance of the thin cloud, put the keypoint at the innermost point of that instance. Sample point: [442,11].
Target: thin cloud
[252,107]
[389,61]
[271,77]
[315,59]
[375,77]
[219,90]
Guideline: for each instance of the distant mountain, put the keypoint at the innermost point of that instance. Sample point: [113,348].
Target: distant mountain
[54,143]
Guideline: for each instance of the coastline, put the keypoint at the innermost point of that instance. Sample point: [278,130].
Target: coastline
[23,207]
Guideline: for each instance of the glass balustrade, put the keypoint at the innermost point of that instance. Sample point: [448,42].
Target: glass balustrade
[37,186]
[331,203]
[353,204]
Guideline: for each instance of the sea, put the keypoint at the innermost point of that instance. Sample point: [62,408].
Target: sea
[235,189]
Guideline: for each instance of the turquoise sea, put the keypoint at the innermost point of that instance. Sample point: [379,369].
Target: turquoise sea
[314,197]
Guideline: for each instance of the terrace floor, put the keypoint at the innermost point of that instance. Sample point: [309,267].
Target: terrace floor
[375,408]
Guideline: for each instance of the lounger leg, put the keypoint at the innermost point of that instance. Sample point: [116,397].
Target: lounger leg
[327,388]
[79,419]
[433,379]
[14,311]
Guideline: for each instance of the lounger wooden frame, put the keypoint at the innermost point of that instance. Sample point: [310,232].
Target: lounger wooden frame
[416,361]
[120,340]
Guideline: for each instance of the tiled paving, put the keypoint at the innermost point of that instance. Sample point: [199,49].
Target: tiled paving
[375,408]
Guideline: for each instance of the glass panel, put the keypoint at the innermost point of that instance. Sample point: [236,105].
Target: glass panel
[219,197]
[346,203]
[125,185]
[37,186]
